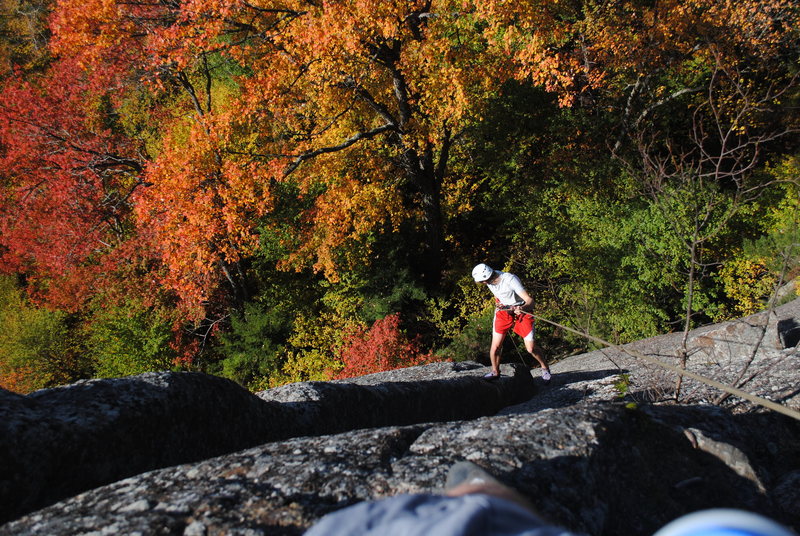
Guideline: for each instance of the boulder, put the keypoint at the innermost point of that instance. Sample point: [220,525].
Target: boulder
[58,442]
[753,353]
[598,468]
[436,392]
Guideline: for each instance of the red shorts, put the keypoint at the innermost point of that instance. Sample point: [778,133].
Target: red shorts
[522,324]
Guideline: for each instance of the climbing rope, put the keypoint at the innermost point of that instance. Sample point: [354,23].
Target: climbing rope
[519,354]
[708,381]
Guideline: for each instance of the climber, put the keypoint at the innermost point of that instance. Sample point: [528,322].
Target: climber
[512,302]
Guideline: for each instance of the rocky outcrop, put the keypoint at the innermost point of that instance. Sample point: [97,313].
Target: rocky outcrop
[436,392]
[599,468]
[754,353]
[602,449]
[58,442]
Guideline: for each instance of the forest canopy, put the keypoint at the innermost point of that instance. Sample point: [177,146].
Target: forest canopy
[277,191]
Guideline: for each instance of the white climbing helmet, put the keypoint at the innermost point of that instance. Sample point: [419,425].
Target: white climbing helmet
[482,272]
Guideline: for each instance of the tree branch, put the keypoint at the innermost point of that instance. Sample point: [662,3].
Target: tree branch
[335,148]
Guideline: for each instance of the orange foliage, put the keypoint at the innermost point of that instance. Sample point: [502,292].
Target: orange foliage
[352,207]
[576,48]
[366,96]
[17,380]
[384,85]
[199,214]
[358,101]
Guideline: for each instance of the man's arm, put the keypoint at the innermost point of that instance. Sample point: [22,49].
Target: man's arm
[528,305]
[520,291]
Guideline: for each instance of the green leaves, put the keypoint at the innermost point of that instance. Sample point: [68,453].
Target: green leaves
[129,339]
[38,347]
[252,348]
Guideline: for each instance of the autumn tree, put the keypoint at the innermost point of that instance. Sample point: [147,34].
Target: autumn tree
[38,348]
[358,102]
[67,179]
[626,61]
[704,180]
[24,35]
[730,67]
[190,216]
[365,102]
[584,51]
[161,153]
[129,339]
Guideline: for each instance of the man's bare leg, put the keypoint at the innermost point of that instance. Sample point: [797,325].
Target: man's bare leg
[494,351]
[536,352]
[498,490]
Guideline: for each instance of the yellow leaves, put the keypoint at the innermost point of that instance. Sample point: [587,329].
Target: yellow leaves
[320,341]
[24,28]
[458,194]
[748,283]
[342,219]
[450,73]
[469,301]
[310,366]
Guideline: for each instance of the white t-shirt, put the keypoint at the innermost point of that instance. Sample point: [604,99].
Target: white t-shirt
[507,289]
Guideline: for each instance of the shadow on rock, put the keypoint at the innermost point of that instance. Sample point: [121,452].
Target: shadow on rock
[58,442]
[567,389]
[640,474]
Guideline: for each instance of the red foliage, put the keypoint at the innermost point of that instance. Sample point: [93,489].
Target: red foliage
[185,346]
[382,347]
[67,178]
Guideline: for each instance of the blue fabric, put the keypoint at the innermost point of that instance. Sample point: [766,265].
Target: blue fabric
[721,531]
[423,514]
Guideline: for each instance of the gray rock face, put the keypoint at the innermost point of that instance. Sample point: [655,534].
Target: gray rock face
[436,392]
[597,468]
[293,454]
[57,442]
[749,353]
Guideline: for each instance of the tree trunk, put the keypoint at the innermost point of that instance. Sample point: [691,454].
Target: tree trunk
[425,175]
